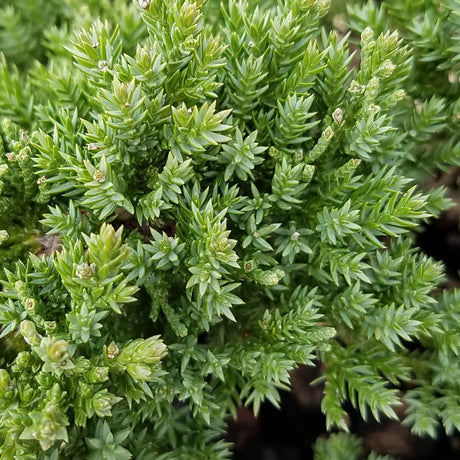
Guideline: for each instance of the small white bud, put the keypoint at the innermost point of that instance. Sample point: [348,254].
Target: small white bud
[144,4]
[98,176]
[85,270]
[112,350]
[356,88]
[271,279]
[373,109]
[30,304]
[399,94]
[328,132]
[387,68]
[295,236]
[3,236]
[367,35]
[103,66]
[338,115]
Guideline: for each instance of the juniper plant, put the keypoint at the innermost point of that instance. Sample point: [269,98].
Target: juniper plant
[197,199]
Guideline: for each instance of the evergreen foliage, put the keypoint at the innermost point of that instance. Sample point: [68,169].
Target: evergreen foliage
[342,446]
[196,199]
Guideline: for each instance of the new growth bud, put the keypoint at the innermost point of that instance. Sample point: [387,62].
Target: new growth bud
[366,36]
[103,66]
[85,270]
[328,132]
[387,68]
[50,327]
[373,109]
[356,88]
[337,115]
[30,305]
[98,176]
[3,236]
[112,350]
[295,236]
[58,350]
[55,355]
[144,4]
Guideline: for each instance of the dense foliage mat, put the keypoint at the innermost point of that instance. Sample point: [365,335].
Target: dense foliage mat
[195,199]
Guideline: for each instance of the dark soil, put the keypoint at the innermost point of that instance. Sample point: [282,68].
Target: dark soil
[289,433]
